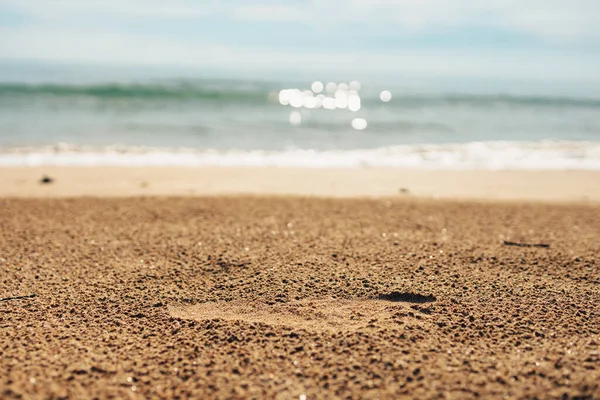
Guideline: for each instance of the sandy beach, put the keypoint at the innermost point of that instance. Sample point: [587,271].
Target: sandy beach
[518,185]
[299,200]
[283,297]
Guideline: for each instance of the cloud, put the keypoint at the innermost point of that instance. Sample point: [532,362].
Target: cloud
[119,49]
[84,30]
[543,18]
[550,19]
[277,12]
[67,9]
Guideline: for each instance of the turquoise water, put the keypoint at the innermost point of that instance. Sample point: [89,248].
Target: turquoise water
[247,115]
[242,116]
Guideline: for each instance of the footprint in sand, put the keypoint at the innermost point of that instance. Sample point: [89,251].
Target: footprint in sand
[315,314]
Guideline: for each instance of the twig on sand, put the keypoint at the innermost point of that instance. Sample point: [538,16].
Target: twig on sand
[507,243]
[28,296]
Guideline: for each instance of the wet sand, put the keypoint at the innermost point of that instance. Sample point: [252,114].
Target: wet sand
[265,297]
[553,186]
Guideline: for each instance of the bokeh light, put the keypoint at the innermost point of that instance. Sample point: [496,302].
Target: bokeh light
[355,85]
[319,100]
[284,97]
[331,87]
[310,102]
[329,103]
[317,86]
[296,98]
[385,96]
[353,101]
[359,124]
[335,97]
[341,98]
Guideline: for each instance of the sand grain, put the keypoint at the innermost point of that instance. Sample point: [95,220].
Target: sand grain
[241,297]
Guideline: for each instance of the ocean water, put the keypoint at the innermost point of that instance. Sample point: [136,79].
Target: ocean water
[193,121]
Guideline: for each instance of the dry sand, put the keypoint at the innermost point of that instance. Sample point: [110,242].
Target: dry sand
[564,186]
[261,297]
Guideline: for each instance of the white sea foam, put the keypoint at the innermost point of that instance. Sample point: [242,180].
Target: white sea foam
[543,155]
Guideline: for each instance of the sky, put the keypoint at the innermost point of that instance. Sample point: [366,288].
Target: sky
[547,40]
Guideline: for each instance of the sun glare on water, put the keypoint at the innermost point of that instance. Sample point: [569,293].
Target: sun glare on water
[328,96]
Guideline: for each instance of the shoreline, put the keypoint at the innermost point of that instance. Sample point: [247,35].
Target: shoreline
[512,185]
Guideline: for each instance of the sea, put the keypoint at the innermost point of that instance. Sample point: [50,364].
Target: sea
[70,116]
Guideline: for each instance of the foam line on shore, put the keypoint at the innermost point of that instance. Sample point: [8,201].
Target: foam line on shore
[498,155]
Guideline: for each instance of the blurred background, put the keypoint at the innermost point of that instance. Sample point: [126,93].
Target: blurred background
[330,83]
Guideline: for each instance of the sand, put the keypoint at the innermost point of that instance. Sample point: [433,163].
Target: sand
[283,297]
[562,186]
